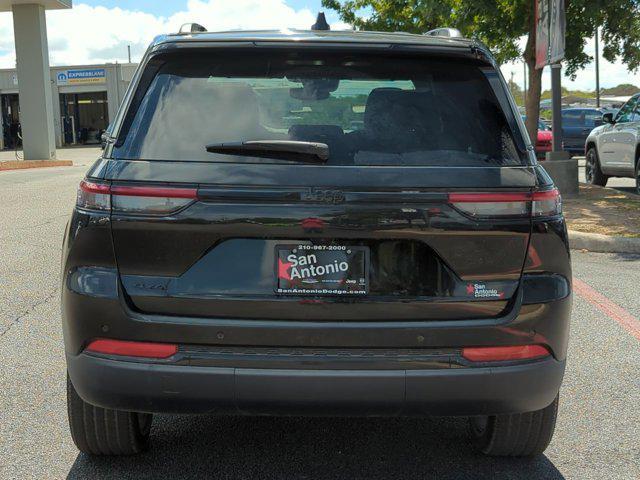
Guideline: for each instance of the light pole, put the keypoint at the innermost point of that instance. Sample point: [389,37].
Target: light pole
[597,68]
[512,84]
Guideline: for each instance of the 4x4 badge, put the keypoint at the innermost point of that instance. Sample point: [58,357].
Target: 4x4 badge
[323,196]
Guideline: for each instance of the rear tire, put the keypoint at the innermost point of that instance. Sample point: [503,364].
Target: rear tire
[638,177]
[592,172]
[101,431]
[515,435]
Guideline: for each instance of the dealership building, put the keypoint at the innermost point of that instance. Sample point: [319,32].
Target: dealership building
[85,99]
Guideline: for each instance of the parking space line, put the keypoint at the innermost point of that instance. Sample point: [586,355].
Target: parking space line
[630,323]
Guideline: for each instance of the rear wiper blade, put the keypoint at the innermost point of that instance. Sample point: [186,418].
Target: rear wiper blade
[290,150]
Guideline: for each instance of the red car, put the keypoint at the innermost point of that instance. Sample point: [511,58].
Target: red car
[544,140]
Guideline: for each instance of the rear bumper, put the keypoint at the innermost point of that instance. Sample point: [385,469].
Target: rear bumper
[164,388]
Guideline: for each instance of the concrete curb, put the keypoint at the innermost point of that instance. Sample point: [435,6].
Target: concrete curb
[23,164]
[596,242]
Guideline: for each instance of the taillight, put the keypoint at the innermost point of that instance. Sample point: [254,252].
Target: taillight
[93,196]
[127,348]
[152,200]
[546,203]
[507,204]
[501,354]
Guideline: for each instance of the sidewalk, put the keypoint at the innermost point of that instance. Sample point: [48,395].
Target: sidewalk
[65,157]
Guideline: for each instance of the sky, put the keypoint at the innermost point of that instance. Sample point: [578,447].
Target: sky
[98,31]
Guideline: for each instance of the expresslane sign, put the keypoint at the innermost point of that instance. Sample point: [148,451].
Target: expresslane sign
[81,77]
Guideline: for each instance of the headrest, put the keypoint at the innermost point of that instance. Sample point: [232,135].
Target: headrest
[406,116]
[378,101]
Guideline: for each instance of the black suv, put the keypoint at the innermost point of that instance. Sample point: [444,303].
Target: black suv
[316,223]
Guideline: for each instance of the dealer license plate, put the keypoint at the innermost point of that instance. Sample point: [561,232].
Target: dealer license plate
[338,270]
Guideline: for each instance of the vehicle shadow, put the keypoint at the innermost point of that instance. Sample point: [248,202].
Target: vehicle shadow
[627,257]
[631,190]
[310,448]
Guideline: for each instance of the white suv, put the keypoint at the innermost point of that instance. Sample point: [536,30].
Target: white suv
[613,149]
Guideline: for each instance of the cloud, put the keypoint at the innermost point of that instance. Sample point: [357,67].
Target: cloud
[87,34]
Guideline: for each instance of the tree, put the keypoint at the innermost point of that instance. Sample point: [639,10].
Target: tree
[500,24]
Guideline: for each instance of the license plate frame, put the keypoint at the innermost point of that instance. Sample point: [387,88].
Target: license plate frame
[319,270]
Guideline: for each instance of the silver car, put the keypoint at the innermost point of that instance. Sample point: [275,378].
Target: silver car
[613,149]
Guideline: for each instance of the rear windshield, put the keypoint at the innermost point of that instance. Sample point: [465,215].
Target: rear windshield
[369,110]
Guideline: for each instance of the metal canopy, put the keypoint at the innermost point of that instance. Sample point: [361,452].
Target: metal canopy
[5,5]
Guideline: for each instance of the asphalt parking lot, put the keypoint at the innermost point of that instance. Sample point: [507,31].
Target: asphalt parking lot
[597,436]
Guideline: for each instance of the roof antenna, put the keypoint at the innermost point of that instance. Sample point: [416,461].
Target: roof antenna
[321,23]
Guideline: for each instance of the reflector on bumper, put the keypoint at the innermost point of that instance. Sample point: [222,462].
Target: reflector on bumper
[131,349]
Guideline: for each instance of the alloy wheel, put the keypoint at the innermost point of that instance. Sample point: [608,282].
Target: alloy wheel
[589,167]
